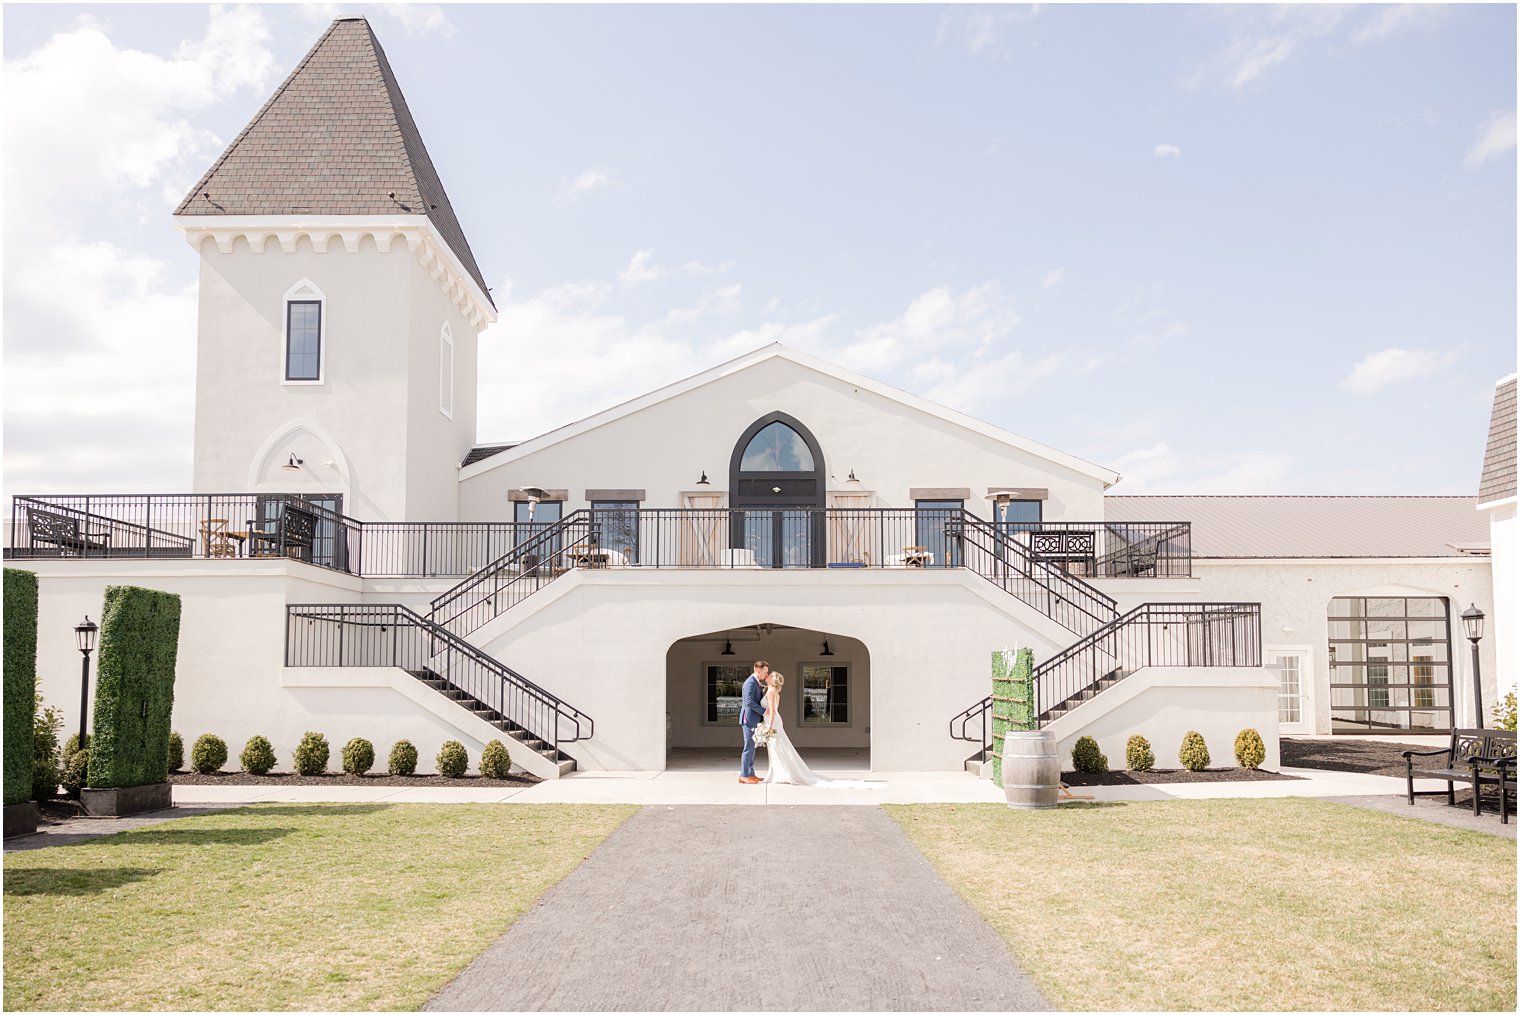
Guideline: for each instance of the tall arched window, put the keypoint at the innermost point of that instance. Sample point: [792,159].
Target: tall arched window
[776,488]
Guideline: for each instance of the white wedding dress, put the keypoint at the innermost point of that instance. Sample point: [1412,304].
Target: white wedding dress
[785,766]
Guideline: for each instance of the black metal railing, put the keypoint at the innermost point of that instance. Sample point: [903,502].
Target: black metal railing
[437,549]
[1187,634]
[1109,549]
[550,551]
[1009,564]
[389,635]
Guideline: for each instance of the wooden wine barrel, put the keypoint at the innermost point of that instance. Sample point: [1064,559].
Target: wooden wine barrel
[1031,769]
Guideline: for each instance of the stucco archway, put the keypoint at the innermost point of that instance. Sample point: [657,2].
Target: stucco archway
[826,704]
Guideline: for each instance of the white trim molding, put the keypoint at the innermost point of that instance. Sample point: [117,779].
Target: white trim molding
[446,370]
[421,237]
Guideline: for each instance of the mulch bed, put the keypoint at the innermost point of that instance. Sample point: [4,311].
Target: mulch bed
[342,779]
[1370,757]
[1165,775]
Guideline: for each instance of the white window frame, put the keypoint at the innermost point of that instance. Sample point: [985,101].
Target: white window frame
[1306,697]
[446,370]
[304,291]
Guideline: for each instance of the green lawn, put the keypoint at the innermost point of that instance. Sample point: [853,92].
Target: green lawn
[357,906]
[1236,904]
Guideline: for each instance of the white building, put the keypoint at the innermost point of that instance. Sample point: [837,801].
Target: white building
[352,562]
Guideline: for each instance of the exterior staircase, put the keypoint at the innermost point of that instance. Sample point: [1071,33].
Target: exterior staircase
[523,737]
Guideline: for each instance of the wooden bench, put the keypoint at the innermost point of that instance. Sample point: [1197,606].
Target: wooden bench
[296,531]
[63,531]
[1477,758]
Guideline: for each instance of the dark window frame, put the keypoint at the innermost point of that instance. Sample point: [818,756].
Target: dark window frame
[317,369]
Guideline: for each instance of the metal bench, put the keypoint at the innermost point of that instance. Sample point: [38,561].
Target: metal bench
[63,531]
[1477,758]
[296,531]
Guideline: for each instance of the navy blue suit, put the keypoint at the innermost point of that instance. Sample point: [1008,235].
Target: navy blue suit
[751,714]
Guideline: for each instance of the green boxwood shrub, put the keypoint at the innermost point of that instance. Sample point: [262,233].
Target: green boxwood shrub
[1250,752]
[403,759]
[20,699]
[452,759]
[176,758]
[1138,756]
[258,756]
[495,762]
[311,754]
[1085,756]
[1194,753]
[75,774]
[134,688]
[46,724]
[358,756]
[1503,713]
[208,754]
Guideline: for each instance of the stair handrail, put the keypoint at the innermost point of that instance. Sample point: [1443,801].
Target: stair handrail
[397,614]
[1071,602]
[980,712]
[1108,651]
[445,609]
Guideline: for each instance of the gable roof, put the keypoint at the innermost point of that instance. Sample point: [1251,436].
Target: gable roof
[1499,466]
[1315,526]
[336,138]
[778,351]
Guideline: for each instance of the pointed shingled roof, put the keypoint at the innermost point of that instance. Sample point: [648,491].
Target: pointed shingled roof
[336,138]
[1500,458]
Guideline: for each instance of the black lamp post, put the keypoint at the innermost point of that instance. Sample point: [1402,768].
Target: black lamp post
[1472,619]
[84,635]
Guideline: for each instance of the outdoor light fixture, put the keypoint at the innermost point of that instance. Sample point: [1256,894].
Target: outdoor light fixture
[534,495]
[294,465]
[703,481]
[852,480]
[84,637]
[826,650]
[1472,619]
[728,647]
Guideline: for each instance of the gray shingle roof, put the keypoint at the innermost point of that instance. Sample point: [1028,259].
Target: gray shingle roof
[336,138]
[484,451]
[1314,526]
[1498,481]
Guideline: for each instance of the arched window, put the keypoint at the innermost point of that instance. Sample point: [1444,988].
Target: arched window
[777,448]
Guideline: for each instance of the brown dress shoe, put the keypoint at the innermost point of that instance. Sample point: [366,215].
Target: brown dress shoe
[749,780]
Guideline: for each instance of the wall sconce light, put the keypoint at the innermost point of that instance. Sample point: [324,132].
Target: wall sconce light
[826,650]
[852,481]
[294,465]
[703,481]
[728,647]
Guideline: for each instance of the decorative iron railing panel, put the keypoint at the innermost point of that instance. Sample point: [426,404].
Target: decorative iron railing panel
[356,635]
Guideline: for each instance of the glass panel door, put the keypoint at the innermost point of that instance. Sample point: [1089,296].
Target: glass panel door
[937,528]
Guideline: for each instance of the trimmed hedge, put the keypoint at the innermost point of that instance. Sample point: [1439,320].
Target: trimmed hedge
[258,756]
[452,759]
[134,689]
[495,761]
[20,682]
[403,759]
[311,755]
[1085,756]
[176,757]
[1194,753]
[1250,752]
[76,768]
[1138,756]
[358,756]
[208,754]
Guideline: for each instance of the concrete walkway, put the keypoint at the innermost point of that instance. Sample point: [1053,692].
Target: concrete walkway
[749,908]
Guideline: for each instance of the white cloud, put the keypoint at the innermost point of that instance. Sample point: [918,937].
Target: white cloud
[1496,135]
[715,302]
[1052,278]
[106,139]
[1160,469]
[1264,37]
[572,190]
[1379,370]
[937,321]
[1168,151]
[1398,17]
[414,19]
[642,267]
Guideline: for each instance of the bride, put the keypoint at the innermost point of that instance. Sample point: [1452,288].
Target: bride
[785,764]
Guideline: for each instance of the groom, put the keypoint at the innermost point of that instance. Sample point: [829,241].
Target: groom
[751,714]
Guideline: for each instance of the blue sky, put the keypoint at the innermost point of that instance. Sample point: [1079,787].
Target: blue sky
[1219,249]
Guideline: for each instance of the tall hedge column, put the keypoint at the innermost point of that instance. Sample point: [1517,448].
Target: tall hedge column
[20,697]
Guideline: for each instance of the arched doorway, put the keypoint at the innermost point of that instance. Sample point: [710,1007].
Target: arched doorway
[776,490]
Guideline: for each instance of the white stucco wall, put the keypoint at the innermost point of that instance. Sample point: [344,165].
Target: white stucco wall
[601,641]
[1504,622]
[375,417]
[891,447]
[1295,601]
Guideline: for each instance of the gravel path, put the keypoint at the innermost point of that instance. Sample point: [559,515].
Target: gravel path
[705,908]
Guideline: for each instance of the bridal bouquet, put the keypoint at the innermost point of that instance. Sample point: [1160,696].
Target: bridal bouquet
[764,735]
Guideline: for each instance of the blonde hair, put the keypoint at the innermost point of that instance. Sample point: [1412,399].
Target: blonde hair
[777,679]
